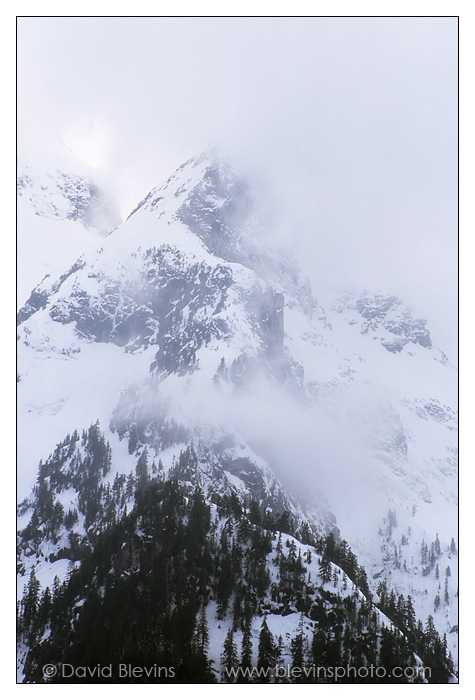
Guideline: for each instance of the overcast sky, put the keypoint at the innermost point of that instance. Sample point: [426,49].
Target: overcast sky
[353,121]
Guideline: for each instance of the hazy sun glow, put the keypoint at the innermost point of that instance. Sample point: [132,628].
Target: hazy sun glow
[90,142]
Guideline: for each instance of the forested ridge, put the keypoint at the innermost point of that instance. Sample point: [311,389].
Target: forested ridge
[144,587]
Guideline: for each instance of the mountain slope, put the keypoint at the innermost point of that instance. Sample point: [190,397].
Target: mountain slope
[178,561]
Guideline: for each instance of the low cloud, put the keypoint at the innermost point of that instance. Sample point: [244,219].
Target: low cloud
[350,122]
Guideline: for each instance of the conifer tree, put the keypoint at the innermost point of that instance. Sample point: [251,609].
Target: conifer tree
[133,439]
[430,630]
[44,608]
[30,600]
[410,613]
[325,569]
[246,647]
[130,486]
[229,658]
[296,648]
[446,591]
[141,470]
[424,552]
[305,534]
[202,632]
[267,651]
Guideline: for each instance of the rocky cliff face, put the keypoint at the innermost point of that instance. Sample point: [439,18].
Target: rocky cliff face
[387,318]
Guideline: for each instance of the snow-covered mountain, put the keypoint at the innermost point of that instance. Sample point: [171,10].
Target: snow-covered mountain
[61,212]
[184,335]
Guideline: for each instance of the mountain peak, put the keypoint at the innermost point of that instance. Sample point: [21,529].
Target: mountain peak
[213,200]
[217,209]
[66,195]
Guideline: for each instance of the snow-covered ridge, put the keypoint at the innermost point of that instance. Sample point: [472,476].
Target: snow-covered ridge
[64,195]
[384,317]
[61,214]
